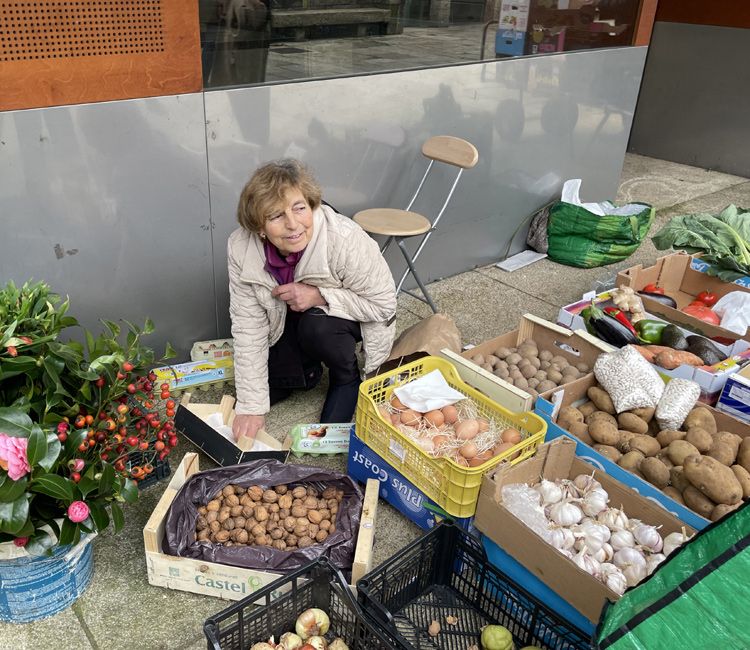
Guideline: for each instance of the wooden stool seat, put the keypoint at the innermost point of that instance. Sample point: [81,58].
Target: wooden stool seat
[392,222]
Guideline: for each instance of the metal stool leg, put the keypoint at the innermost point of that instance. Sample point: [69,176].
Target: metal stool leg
[410,264]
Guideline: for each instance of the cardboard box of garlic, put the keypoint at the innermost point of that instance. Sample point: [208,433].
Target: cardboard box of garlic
[581,547]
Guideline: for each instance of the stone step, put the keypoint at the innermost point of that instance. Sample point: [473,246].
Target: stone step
[317,17]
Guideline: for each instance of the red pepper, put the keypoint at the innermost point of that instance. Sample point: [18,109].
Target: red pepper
[621,317]
[703,312]
[708,298]
[653,288]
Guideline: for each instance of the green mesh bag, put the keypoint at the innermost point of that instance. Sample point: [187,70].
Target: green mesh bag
[697,598]
[578,237]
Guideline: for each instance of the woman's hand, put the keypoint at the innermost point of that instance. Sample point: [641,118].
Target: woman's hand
[299,296]
[247,425]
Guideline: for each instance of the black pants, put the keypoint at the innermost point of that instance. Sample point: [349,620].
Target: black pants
[312,338]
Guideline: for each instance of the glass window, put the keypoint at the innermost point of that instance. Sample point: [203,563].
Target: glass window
[257,41]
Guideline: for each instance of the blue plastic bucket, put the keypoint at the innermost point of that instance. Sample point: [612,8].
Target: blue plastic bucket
[32,588]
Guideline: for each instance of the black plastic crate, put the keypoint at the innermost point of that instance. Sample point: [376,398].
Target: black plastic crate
[446,573]
[273,610]
[161,467]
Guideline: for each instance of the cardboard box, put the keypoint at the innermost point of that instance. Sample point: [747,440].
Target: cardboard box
[675,274]
[576,347]
[190,421]
[222,580]
[576,394]
[402,494]
[711,379]
[554,460]
[702,267]
[735,398]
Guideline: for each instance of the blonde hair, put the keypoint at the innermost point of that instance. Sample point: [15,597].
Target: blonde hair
[267,187]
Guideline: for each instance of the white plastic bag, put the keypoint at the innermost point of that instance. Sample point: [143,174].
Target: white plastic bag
[629,379]
[570,194]
[679,398]
[734,309]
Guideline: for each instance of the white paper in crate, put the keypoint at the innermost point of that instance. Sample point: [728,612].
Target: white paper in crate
[216,422]
[428,393]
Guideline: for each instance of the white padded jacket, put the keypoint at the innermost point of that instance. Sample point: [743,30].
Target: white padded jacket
[343,261]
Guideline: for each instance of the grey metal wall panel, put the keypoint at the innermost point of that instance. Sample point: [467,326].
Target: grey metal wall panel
[695,99]
[109,203]
[536,121]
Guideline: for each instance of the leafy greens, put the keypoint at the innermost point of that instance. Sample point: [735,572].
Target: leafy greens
[722,240]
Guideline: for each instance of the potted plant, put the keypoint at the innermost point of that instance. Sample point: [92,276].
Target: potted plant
[71,413]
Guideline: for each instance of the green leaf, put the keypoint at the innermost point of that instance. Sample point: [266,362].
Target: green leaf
[54,486]
[148,326]
[87,485]
[118,519]
[169,352]
[85,389]
[68,532]
[107,480]
[113,327]
[90,343]
[129,491]
[10,490]
[99,515]
[37,445]
[53,452]
[40,543]
[12,366]
[100,363]
[15,422]
[14,515]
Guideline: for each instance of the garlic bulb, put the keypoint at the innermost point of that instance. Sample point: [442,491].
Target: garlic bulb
[648,537]
[550,492]
[586,483]
[562,538]
[622,539]
[653,561]
[629,556]
[613,518]
[569,490]
[614,578]
[634,573]
[593,536]
[587,563]
[673,541]
[594,502]
[604,554]
[565,514]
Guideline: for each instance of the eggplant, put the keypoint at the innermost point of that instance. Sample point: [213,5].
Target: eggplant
[660,297]
[607,328]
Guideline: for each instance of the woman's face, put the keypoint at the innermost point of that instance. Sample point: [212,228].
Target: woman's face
[290,226]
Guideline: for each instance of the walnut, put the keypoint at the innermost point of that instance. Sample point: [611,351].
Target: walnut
[321,536]
[251,523]
[231,500]
[312,492]
[278,533]
[248,511]
[269,496]
[332,503]
[332,529]
[279,544]
[299,511]
[285,501]
[339,495]
[214,505]
[274,516]
[300,531]
[223,515]
[322,503]
[325,524]
[313,529]
[258,529]
[245,500]
[214,526]
[255,492]
[299,492]
[242,537]
[236,511]
[228,524]
[289,524]
[204,534]
[305,541]
[282,489]
[202,510]
[329,493]
[325,513]
[310,502]
[211,515]
[261,514]
[239,522]
[228,490]
[222,536]
[239,490]
[284,513]
[271,525]
[291,540]
[263,540]
[201,523]
[314,516]
[274,507]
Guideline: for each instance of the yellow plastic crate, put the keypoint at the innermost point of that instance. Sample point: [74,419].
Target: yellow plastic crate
[452,487]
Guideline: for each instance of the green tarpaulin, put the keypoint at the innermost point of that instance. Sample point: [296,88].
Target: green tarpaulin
[698,598]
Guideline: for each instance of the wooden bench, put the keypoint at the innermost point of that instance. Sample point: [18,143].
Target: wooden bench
[301,20]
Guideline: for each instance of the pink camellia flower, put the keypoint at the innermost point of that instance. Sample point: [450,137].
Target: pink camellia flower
[13,455]
[78,511]
[21,541]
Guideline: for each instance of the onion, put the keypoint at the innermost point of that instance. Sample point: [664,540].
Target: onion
[312,622]
[317,642]
[290,641]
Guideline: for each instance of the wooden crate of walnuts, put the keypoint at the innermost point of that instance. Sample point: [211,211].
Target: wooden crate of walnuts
[260,513]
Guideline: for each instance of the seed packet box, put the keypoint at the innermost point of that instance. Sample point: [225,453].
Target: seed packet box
[575,347]
[553,460]
[676,275]
[223,580]
[191,420]
[735,397]
[575,395]
[195,373]
[363,464]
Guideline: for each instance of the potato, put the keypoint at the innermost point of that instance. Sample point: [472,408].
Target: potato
[581,431]
[582,368]
[567,416]
[701,439]
[646,414]
[600,415]
[664,458]
[723,453]
[554,375]
[631,460]
[674,493]
[604,432]
[647,445]
[587,408]
[713,479]
[701,417]
[528,371]
[656,472]
[631,422]
[513,359]
[502,352]
[729,438]
[668,435]
[612,453]
[722,509]
[545,355]
[561,361]
[521,383]
[743,476]
[601,399]
[679,450]
[698,502]
[743,454]
[677,478]
[625,438]
[546,385]
[570,374]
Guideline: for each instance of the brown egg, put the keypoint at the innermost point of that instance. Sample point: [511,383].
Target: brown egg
[468,450]
[410,417]
[397,403]
[511,435]
[395,418]
[480,459]
[384,413]
[425,444]
[460,460]
[440,440]
[501,448]
[483,425]
[451,414]
[466,429]
[435,418]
